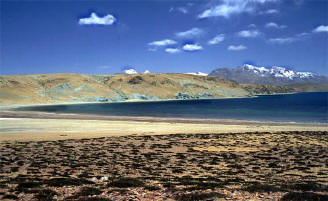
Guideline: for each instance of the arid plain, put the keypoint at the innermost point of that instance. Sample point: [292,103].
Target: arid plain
[46,156]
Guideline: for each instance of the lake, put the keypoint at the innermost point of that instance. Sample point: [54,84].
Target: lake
[299,107]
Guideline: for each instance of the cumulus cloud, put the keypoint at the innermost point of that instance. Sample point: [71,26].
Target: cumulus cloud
[128,70]
[282,40]
[231,7]
[192,47]
[321,28]
[249,33]
[191,33]
[172,50]
[225,10]
[275,25]
[163,42]
[95,19]
[237,47]
[217,39]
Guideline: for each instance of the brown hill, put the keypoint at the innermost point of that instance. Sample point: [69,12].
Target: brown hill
[64,88]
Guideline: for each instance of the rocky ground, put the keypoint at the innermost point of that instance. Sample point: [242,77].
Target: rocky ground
[239,166]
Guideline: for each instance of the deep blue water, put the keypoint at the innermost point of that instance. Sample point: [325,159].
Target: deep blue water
[300,107]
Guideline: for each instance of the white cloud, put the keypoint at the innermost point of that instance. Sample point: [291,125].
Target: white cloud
[237,47]
[249,33]
[130,71]
[321,28]
[163,42]
[198,73]
[231,7]
[304,34]
[217,39]
[192,47]
[275,25]
[94,19]
[225,10]
[194,32]
[252,26]
[183,10]
[282,40]
[271,11]
[287,40]
[263,1]
[172,50]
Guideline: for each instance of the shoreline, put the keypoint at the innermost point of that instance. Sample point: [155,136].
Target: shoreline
[38,126]
[13,106]
[19,125]
[81,116]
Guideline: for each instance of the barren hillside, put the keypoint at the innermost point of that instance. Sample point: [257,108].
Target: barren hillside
[63,88]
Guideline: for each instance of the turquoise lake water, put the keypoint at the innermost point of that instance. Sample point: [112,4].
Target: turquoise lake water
[300,107]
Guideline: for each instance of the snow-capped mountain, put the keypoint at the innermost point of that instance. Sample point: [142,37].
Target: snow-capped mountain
[262,75]
[277,71]
[198,73]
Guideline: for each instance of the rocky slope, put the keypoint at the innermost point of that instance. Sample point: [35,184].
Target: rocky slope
[261,75]
[63,88]
[310,87]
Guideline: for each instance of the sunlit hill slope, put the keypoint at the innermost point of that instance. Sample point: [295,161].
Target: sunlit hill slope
[63,88]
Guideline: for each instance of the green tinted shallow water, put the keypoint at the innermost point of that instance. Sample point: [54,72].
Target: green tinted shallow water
[300,107]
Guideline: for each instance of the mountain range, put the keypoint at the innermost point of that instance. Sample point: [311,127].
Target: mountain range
[261,75]
[70,88]
[244,81]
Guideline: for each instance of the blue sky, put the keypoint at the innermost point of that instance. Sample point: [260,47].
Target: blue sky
[100,37]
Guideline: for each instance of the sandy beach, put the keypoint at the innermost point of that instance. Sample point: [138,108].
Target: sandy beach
[26,126]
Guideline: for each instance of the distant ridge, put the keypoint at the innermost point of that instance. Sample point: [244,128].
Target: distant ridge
[65,87]
[261,75]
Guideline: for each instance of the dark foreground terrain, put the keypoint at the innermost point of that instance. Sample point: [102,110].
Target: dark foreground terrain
[243,166]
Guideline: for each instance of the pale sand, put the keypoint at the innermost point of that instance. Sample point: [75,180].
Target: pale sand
[35,129]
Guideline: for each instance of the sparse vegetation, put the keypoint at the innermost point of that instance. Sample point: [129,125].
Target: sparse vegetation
[136,80]
[45,195]
[286,165]
[197,196]
[126,182]
[66,181]
[297,196]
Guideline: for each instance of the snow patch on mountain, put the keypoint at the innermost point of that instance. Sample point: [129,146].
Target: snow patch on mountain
[305,74]
[277,71]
